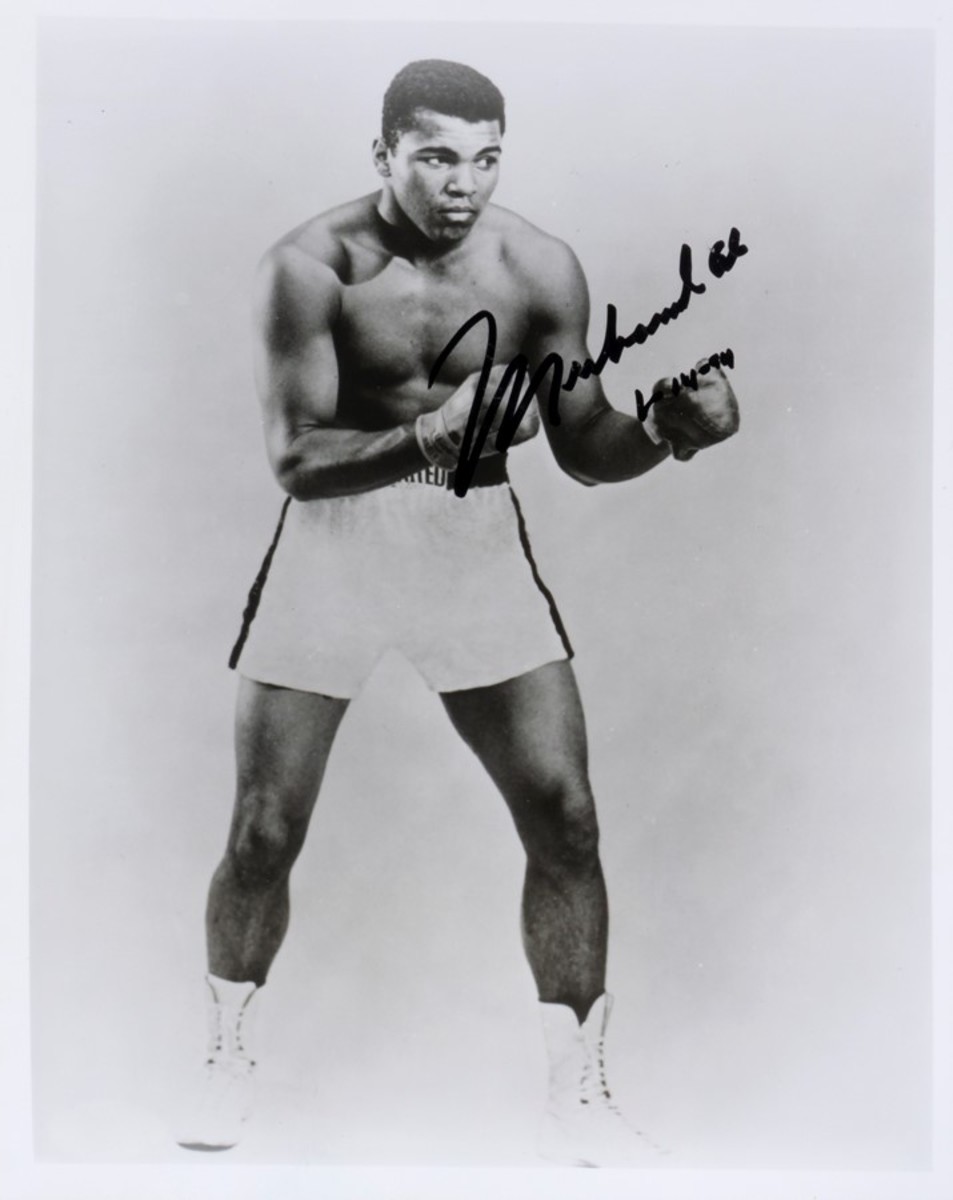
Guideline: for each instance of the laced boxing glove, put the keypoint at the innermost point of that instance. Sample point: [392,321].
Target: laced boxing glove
[440,433]
[690,419]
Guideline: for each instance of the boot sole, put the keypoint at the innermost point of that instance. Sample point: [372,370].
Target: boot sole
[206,1146]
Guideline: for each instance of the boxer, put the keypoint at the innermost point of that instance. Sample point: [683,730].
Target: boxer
[375,551]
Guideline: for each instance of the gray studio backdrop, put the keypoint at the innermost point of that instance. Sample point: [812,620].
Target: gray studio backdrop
[751,628]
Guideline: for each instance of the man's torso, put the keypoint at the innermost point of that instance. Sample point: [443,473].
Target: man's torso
[396,316]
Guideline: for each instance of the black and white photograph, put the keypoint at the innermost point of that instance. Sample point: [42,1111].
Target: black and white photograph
[482,603]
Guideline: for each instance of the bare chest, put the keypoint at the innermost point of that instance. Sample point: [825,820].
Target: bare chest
[394,325]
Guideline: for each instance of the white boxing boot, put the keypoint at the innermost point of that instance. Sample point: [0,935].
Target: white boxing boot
[225,1099]
[582,1126]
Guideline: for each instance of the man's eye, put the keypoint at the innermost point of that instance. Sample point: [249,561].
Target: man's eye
[487,164]
[434,161]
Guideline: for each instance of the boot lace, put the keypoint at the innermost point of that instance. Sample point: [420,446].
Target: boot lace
[234,1055]
[594,1086]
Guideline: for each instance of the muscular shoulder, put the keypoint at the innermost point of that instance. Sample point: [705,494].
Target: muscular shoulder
[329,236]
[546,265]
[299,279]
[321,247]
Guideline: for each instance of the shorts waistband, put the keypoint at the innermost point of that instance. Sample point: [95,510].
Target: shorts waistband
[490,472]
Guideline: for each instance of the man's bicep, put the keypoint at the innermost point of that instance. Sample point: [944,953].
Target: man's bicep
[560,334]
[299,389]
[296,368]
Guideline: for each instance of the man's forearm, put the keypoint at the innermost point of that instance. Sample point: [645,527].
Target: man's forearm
[323,462]
[610,447]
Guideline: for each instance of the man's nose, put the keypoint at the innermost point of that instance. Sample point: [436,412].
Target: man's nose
[462,181]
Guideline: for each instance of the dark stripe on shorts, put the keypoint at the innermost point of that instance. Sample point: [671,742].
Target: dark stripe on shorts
[553,610]
[254,596]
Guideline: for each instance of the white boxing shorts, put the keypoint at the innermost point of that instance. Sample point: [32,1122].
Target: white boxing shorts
[447,581]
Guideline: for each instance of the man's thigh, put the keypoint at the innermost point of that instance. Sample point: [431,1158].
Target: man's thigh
[283,738]
[529,732]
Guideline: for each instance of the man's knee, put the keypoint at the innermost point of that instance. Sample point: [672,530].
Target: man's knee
[267,834]
[560,826]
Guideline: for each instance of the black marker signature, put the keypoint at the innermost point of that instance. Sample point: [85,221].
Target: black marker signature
[720,262]
[613,346]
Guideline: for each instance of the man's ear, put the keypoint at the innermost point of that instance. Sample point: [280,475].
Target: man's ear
[380,152]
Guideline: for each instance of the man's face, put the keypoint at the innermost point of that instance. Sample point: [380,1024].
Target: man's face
[443,172]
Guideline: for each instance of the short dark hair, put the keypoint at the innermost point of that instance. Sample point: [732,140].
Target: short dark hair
[445,87]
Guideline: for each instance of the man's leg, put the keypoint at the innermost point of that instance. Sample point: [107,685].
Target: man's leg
[530,734]
[283,739]
[282,742]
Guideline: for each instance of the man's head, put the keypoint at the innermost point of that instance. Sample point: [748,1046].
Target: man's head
[450,88]
[439,148]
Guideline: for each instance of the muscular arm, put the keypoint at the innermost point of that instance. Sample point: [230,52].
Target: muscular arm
[297,302]
[593,442]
